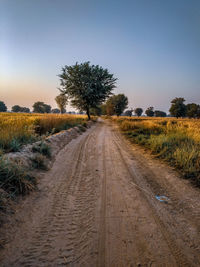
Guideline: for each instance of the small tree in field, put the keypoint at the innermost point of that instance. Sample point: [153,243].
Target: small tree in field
[159,113]
[41,107]
[178,108]
[138,111]
[16,108]
[87,86]
[103,109]
[192,110]
[96,111]
[61,101]
[150,112]
[116,104]
[128,112]
[55,111]
[3,107]
[110,108]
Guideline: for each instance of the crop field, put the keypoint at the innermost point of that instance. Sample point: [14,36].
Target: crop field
[175,140]
[17,129]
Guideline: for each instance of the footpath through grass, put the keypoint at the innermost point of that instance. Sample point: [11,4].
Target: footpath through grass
[175,140]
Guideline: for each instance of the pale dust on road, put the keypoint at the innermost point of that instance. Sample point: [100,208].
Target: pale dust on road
[97,207]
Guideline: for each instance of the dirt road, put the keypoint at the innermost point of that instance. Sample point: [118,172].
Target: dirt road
[97,206]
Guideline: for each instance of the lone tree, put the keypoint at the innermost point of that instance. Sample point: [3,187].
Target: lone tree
[138,111]
[87,86]
[41,107]
[103,109]
[128,112]
[159,113]
[55,110]
[61,101]
[3,107]
[110,108]
[178,108]
[192,110]
[17,108]
[150,112]
[25,110]
[116,104]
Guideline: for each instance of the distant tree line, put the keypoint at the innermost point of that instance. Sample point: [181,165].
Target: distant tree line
[179,109]
[17,108]
[114,105]
[39,107]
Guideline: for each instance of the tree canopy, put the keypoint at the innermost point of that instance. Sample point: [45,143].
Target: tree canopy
[192,110]
[116,104]
[41,107]
[55,110]
[87,86]
[3,107]
[150,112]
[138,111]
[61,101]
[159,113]
[96,111]
[178,108]
[128,112]
[17,108]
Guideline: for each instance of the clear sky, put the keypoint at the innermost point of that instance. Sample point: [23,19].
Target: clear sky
[151,46]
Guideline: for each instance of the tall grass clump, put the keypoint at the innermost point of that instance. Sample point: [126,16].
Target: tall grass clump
[43,149]
[14,179]
[175,140]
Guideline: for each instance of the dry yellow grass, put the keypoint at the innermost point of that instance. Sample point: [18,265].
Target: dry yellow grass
[175,140]
[20,128]
[191,127]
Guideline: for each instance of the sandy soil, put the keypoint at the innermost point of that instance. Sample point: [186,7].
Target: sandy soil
[97,206]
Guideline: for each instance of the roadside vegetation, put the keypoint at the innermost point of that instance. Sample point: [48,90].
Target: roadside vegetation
[14,178]
[17,129]
[175,140]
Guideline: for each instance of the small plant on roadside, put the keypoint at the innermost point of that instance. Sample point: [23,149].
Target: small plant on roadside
[81,128]
[42,148]
[15,145]
[38,162]
[14,178]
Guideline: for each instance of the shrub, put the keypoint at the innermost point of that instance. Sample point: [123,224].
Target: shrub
[14,179]
[38,162]
[42,148]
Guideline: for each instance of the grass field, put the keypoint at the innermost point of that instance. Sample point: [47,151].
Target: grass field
[17,129]
[175,140]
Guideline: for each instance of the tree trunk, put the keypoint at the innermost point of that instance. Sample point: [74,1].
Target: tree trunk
[88,113]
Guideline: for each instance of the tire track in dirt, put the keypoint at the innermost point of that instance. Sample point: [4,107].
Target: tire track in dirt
[97,207]
[69,221]
[102,220]
[161,215]
[50,228]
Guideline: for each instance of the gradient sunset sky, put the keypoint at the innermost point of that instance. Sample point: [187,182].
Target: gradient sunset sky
[151,46]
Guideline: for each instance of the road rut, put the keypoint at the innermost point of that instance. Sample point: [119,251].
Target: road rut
[97,207]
